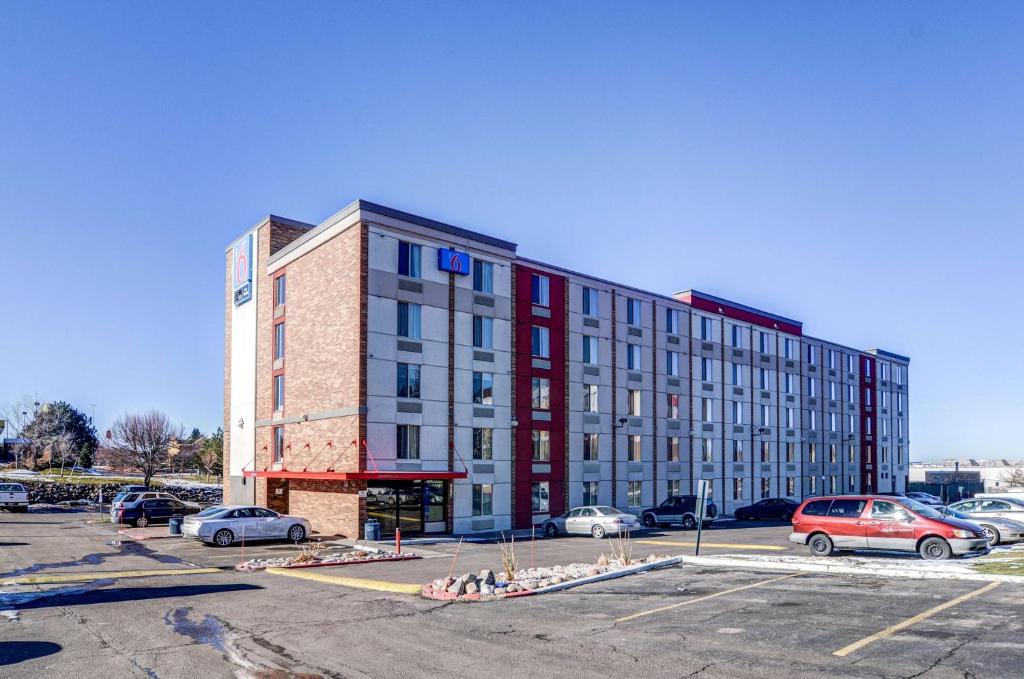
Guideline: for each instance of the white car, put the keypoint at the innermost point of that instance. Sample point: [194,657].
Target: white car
[227,524]
[14,497]
[594,520]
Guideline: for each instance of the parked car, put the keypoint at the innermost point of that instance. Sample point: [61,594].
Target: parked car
[780,508]
[13,496]
[997,529]
[678,509]
[159,510]
[926,498]
[594,520]
[991,507]
[226,524]
[889,523]
[134,489]
[127,500]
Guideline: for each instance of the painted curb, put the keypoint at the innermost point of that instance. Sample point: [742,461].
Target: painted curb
[632,570]
[834,569]
[358,583]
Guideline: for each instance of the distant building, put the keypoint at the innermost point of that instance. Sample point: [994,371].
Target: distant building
[993,474]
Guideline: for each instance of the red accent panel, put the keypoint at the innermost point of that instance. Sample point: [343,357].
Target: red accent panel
[522,409]
[363,475]
[866,414]
[740,314]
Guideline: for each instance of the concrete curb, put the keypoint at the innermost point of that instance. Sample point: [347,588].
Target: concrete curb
[838,569]
[124,532]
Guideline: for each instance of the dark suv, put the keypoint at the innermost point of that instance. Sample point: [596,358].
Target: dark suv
[678,509]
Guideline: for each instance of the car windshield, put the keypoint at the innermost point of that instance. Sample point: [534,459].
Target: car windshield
[921,509]
[955,514]
[607,511]
[211,511]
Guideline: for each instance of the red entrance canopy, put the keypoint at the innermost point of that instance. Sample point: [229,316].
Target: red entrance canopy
[369,475]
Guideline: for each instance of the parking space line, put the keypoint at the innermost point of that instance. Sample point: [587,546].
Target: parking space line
[705,598]
[345,581]
[889,631]
[55,578]
[727,545]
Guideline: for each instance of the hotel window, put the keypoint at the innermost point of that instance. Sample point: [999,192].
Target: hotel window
[408,259]
[832,485]
[850,363]
[483,444]
[706,329]
[737,337]
[884,451]
[633,357]
[885,399]
[883,371]
[540,500]
[851,424]
[590,493]
[868,454]
[851,484]
[787,382]
[899,374]
[482,499]
[540,290]
[832,359]
[672,363]
[790,418]
[737,412]
[851,453]
[541,393]
[737,489]
[483,276]
[408,445]
[867,368]
[813,420]
[279,290]
[706,450]
[763,379]
[633,493]
[790,486]
[409,320]
[899,401]
[832,423]
[762,342]
[737,450]
[278,392]
[589,301]
[589,350]
[279,341]
[812,484]
[899,454]
[867,426]
[705,409]
[635,449]
[766,488]
[867,396]
[737,374]
[541,446]
[590,447]
[673,487]
[590,398]
[632,311]
[766,451]
[408,380]
[672,451]
[540,342]
[787,346]
[812,453]
[831,390]
[705,369]
[812,353]
[673,406]
[812,387]
[634,402]
[790,452]
[278,444]
[765,415]
[899,427]
[672,321]
[483,332]
[483,388]
[850,393]
[885,426]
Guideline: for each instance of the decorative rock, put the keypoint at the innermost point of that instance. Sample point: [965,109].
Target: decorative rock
[486,589]
[469,577]
[458,588]
[487,576]
[500,591]
[472,588]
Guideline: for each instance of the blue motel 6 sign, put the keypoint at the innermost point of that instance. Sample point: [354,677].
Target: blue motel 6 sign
[451,260]
[241,276]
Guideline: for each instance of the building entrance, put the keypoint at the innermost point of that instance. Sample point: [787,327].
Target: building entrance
[416,507]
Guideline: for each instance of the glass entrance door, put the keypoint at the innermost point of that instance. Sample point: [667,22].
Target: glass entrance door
[396,504]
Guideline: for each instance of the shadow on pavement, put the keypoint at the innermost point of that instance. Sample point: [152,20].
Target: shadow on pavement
[119,595]
[18,651]
[13,544]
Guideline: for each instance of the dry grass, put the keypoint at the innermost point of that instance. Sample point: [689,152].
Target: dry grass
[508,556]
[309,553]
[622,547]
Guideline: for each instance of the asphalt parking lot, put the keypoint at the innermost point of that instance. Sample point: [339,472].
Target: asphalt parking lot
[117,617]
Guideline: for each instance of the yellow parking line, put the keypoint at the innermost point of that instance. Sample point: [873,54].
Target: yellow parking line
[889,631]
[55,578]
[705,598]
[361,583]
[727,545]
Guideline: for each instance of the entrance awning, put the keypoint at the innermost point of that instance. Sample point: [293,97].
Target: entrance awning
[368,475]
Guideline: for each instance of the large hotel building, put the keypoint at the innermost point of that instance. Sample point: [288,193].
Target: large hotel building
[383,365]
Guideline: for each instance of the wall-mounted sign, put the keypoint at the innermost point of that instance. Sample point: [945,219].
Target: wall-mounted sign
[242,270]
[451,260]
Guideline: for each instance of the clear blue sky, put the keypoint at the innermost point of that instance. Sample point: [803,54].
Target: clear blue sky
[857,166]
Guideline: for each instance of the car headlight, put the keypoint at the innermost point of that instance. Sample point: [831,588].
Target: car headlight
[960,533]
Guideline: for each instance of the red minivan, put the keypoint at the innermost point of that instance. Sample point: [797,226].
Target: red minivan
[825,524]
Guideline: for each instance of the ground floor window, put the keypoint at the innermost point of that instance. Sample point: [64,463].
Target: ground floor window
[766,488]
[590,493]
[483,494]
[790,486]
[541,497]
[414,506]
[633,489]
[673,487]
[737,489]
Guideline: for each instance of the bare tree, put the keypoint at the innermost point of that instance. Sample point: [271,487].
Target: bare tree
[1014,478]
[141,441]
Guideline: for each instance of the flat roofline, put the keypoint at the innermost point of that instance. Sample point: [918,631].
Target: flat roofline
[888,354]
[737,305]
[605,281]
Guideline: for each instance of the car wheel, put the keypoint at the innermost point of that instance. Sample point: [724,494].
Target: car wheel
[551,530]
[820,545]
[689,522]
[223,537]
[296,533]
[597,531]
[142,522]
[649,520]
[991,533]
[934,549]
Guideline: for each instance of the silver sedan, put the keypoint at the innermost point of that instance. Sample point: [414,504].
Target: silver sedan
[226,524]
[979,508]
[594,520]
[997,529]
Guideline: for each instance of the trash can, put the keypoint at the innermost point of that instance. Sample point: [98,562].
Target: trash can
[175,525]
[371,530]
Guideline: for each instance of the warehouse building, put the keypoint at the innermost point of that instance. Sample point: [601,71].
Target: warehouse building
[383,365]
